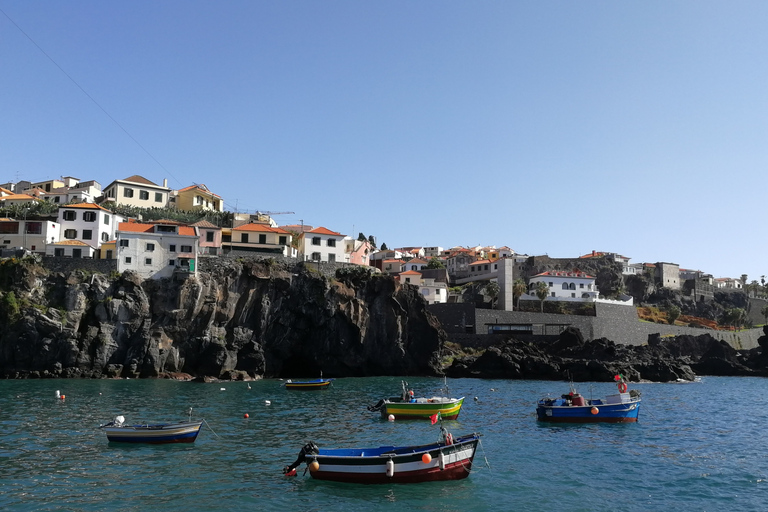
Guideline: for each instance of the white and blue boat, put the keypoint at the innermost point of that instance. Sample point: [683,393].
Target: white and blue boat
[622,407]
[161,433]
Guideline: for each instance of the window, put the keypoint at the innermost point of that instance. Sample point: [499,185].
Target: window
[244,238]
[70,215]
[87,234]
[70,233]
[315,256]
[315,240]
[331,258]
[109,255]
[58,252]
[105,237]
[106,220]
[143,195]
[331,242]
[128,192]
[172,263]
[34,228]
[283,240]
[158,197]
[209,236]
[89,216]
[77,253]
[172,248]
[124,243]
[147,261]
[553,294]
[186,248]
[56,199]
[573,295]
[128,259]
[262,239]
[9,228]
[150,247]
[407,279]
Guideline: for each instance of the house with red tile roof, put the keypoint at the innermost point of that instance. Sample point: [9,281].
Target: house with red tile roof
[433,291]
[197,197]
[157,250]
[19,199]
[322,244]
[137,191]
[70,249]
[393,266]
[357,251]
[260,238]
[571,284]
[210,238]
[89,223]
[416,264]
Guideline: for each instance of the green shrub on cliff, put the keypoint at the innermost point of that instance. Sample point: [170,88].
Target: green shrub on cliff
[9,307]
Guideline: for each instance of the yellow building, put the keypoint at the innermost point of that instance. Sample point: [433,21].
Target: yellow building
[198,197]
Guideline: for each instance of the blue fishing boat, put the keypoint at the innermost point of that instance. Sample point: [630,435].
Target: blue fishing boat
[622,407]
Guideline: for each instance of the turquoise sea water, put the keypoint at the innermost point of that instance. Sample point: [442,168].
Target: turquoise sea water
[697,446]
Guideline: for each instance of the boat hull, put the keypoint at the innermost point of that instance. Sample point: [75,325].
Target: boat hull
[421,410]
[448,462]
[154,434]
[611,413]
[308,385]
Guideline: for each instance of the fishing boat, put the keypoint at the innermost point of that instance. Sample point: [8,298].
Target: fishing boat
[161,433]
[448,459]
[622,407]
[407,406]
[307,385]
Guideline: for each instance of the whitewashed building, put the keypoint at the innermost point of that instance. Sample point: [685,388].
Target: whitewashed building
[565,285]
[138,191]
[157,250]
[322,244]
[31,234]
[89,223]
[433,291]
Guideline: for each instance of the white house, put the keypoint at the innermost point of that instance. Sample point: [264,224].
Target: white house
[157,250]
[434,292]
[565,285]
[89,223]
[322,244]
[416,264]
[30,234]
[70,249]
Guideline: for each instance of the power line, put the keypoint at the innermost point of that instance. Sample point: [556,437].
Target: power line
[90,97]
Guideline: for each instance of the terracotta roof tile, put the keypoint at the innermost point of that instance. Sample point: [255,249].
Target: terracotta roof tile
[263,228]
[187,231]
[324,231]
[72,242]
[205,224]
[136,227]
[140,179]
[88,206]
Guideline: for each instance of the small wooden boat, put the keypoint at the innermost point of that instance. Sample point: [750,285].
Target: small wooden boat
[406,406]
[161,433]
[622,407]
[308,385]
[449,459]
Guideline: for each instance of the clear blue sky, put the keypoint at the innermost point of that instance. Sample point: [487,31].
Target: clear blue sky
[558,127]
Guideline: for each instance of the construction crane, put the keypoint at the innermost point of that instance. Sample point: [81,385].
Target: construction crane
[274,213]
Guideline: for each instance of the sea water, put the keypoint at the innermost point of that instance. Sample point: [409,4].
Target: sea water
[697,446]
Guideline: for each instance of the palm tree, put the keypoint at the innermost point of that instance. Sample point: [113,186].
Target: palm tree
[542,292]
[518,288]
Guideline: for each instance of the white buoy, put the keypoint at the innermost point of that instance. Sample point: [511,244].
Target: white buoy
[390,467]
[58,394]
[268,402]
[249,386]
[223,389]
[391,417]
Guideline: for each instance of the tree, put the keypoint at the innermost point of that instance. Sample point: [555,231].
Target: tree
[542,292]
[361,237]
[372,241]
[518,289]
[383,247]
[435,263]
[673,312]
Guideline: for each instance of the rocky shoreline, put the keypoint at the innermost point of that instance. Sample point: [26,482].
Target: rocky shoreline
[252,319]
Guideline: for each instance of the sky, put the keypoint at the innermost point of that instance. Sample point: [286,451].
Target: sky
[558,127]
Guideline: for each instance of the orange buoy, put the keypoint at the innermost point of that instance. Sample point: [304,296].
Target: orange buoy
[314,466]
[594,410]
[245,415]
[426,458]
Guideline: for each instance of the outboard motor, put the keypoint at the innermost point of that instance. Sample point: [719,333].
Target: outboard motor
[308,449]
[377,407]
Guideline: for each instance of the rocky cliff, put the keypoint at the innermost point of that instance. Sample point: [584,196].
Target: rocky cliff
[243,319]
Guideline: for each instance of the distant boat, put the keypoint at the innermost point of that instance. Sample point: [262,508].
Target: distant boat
[407,406]
[160,433]
[622,407]
[449,459]
[307,385]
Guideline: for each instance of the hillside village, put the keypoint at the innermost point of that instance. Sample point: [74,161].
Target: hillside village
[69,218]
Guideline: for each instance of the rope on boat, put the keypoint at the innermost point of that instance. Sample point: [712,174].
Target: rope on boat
[207,425]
